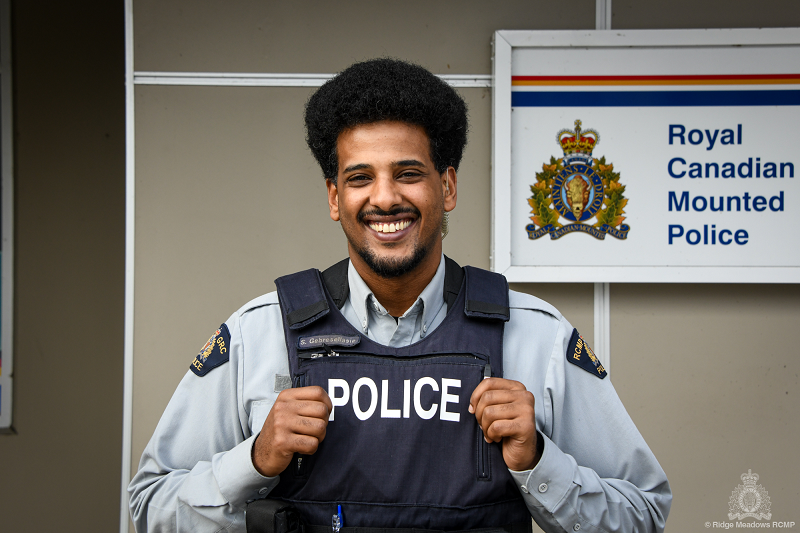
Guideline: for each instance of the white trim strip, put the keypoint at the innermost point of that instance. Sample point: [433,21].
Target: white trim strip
[602,291]
[500,258]
[652,38]
[602,323]
[246,79]
[130,197]
[7,304]
[602,15]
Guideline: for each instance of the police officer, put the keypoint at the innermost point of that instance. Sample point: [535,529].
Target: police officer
[407,390]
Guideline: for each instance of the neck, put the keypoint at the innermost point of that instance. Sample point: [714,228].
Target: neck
[396,295]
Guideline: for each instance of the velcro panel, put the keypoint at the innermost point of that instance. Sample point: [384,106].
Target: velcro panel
[302,298]
[487,295]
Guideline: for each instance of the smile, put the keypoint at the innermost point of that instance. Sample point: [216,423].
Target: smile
[390,227]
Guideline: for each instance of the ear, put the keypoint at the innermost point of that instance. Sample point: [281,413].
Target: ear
[333,199]
[449,188]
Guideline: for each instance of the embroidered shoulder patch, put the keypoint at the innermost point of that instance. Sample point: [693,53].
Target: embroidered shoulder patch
[579,354]
[214,353]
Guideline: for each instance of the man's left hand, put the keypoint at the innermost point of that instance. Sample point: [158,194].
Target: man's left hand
[505,412]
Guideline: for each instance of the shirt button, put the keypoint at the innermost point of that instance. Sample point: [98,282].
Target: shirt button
[524,489]
[424,328]
[263,490]
[576,527]
[543,487]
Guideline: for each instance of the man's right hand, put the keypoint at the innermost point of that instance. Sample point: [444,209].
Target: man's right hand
[296,424]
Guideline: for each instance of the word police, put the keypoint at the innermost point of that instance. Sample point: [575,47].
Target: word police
[340,394]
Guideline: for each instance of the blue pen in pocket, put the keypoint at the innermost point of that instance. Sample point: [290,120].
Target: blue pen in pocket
[337,520]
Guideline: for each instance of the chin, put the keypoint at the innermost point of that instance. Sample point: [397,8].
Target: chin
[392,267]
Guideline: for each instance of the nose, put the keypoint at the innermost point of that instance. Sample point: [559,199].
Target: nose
[385,193]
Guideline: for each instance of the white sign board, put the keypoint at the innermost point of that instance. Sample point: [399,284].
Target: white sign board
[647,156]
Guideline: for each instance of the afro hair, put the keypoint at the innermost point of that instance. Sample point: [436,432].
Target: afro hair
[386,89]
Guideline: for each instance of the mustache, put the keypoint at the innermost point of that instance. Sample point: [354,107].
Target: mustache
[391,213]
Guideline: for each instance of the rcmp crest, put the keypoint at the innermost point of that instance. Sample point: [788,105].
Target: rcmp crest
[583,191]
[749,500]
[213,353]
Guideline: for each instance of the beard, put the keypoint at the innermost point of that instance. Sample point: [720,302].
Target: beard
[394,267]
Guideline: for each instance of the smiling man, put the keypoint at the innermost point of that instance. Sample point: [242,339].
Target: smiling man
[395,388]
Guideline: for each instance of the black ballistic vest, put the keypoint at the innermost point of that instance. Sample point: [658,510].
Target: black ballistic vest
[401,449]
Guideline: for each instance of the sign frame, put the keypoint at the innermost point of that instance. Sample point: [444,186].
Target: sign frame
[504,43]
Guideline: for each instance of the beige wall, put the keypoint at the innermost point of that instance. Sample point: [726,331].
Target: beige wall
[61,470]
[226,190]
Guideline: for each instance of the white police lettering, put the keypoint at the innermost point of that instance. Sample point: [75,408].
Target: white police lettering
[449,398]
[339,391]
[373,401]
[340,401]
[406,398]
[385,411]
[427,415]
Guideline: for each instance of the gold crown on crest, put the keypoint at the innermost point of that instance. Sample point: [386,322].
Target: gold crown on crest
[577,144]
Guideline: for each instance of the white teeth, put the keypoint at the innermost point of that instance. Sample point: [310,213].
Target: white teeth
[391,227]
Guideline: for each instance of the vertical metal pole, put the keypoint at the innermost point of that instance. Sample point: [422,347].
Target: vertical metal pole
[602,323]
[602,291]
[127,387]
[7,171]
[603,15]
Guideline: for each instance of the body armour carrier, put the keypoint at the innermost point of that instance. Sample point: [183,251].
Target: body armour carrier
[401,449]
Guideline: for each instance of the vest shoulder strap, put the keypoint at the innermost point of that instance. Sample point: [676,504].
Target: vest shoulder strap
[302,298]
[487,295]
[335,279]
[453,278]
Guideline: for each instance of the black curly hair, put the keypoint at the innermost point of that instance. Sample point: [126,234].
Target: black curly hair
[386,89]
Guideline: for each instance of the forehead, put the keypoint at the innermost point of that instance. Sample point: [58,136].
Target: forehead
[379,141]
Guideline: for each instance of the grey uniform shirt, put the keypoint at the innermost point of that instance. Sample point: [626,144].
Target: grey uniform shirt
[596,472]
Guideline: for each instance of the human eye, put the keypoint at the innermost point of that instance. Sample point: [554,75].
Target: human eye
[357,179]
[410,174]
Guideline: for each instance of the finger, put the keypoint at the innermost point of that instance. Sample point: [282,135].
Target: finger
[498,429]
[311,409]
[492,384]
[304,444]
[293,424]
[312,393]
[500,397]
[306,401]
[517,421]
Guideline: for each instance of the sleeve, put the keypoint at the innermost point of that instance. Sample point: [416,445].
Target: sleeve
[196,473]
[596,472]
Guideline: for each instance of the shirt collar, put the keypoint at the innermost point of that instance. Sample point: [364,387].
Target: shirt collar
[431,298]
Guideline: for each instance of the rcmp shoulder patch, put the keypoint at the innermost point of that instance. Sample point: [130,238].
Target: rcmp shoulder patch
[579,354]
[214,353]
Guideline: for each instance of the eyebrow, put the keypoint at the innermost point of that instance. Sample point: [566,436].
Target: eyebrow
[358,166]
[408,163]
[403,163]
